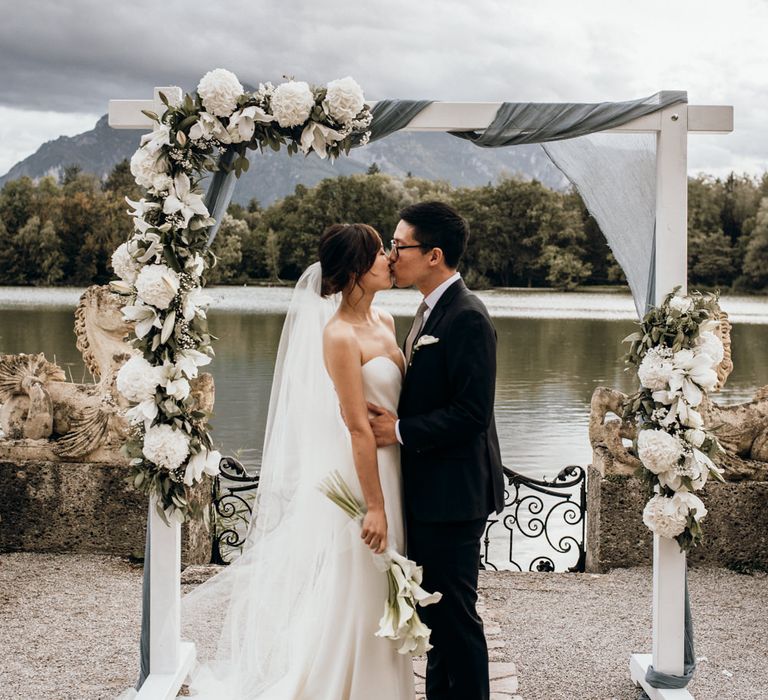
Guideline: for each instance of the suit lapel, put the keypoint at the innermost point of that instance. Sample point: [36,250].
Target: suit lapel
[441,307]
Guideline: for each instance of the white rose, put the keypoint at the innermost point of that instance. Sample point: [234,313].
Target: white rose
[204,462]
[125,267]
[709,344]
[219,91]
[137,380]
[658,450]
[656,369]
[145,165]
[157,285]
[344,99]
[165,446]
[292,103]
[681,304]
[663,517]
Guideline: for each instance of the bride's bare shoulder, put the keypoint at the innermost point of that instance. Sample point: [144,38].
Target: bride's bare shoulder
[339,337]
[386,318]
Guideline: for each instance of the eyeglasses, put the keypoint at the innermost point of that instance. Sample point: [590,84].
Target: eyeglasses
[394,251]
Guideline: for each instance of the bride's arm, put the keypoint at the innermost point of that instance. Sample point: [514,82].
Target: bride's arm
[342,358]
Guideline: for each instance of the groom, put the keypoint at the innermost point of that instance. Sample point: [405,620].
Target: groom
[452,473]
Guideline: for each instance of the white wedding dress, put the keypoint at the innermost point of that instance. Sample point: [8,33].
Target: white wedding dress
[304,600]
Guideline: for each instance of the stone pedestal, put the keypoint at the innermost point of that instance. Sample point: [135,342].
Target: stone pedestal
[735,528]
[48,506]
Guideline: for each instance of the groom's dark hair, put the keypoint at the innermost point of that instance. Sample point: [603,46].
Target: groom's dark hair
[439,225]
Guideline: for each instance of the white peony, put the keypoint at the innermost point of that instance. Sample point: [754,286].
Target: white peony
[219,91]
[125,267]
[204,462]
[656,368]
[709,344]
[681,304]
[662,516]
[344,99]
[157,285]
[292,103]
[658,450]
[146,165]
[137,379]
[165,446]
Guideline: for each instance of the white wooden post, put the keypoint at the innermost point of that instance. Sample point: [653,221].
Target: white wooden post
[671,271]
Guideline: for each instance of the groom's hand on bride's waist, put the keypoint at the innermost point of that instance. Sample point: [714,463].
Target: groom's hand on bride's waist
[383,425]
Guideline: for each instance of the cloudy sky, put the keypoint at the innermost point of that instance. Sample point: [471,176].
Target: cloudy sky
[62,61]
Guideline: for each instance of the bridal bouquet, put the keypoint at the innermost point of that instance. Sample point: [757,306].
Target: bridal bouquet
[677,353]
[400,622]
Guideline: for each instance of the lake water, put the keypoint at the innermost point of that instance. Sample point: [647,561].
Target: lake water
[554,349]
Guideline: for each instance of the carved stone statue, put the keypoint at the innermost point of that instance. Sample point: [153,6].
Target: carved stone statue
[742,429]
[45,417]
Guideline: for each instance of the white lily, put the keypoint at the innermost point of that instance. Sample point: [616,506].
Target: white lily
[144,412]
[208,126]
[316,136]
[143,316]
[242,123]
[154,247]
[188,361]
[195,265]
[204,462]
[156,139]
[195,301]
[183,200]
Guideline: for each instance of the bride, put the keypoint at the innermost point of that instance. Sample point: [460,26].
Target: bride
[295,617]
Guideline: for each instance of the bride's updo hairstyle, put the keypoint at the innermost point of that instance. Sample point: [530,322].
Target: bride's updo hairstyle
[346,252]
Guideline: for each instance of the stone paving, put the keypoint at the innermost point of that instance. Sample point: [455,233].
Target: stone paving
[503,674]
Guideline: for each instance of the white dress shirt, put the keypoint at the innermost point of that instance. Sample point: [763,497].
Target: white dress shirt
[431,301]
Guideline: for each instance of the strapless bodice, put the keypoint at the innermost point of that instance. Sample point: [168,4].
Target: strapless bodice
[382,381]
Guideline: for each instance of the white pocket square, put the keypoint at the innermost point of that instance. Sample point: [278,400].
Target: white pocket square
[426,340]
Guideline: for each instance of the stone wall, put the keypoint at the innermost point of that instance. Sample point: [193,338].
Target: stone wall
[81,507]
[735,528]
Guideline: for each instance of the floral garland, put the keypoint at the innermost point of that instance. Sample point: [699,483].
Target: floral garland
[676,353]
[162,267]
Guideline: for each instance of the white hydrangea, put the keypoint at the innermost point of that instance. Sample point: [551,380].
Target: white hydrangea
[145,166]
[344,99]
[125,267]
[204,462]
[658,450]
[219,91]
[165,446]
[656,369]
[292,103]
[137,379]
[662,516]
[709,344]
[157,285]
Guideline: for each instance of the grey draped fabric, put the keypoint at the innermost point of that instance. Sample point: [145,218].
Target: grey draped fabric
[220,192]
[615,174]
[390,116]
[529,122]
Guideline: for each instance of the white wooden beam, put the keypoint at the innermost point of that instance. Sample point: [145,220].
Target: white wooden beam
[455,116]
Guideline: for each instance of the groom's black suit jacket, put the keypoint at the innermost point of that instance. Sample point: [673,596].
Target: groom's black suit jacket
[450,457]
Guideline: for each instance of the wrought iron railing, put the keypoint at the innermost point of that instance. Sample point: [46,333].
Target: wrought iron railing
[557,529]
[529,514]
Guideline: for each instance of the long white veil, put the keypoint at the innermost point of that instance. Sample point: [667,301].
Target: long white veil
[254,618]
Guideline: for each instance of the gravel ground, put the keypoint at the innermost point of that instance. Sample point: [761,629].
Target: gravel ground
[69,629]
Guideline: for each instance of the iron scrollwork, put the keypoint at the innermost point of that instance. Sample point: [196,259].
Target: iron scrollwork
[526,514]
[234,491]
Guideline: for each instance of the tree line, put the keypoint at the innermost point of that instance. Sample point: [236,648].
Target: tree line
[63,232]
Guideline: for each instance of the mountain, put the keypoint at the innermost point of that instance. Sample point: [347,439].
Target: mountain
[431,155]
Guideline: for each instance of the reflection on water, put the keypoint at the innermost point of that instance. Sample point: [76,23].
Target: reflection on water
[547,370]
